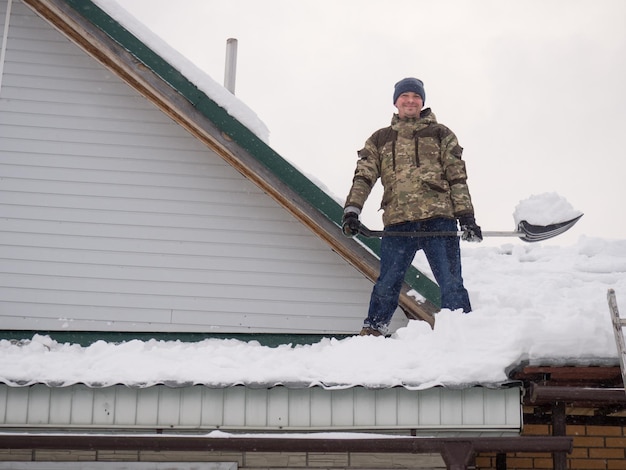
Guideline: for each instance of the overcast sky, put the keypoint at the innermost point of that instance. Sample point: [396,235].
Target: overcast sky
[534,89]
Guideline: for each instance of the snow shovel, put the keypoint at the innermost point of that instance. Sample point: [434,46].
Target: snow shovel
[525,231]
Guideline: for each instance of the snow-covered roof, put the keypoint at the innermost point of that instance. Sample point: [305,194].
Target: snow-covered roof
[532,303]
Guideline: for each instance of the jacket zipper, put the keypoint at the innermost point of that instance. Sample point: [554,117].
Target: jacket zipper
[393,150]
[417,152]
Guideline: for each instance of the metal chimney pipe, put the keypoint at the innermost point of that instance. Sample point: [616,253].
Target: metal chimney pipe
[230,71]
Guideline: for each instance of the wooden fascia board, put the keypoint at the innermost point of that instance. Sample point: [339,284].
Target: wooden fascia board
[228,138]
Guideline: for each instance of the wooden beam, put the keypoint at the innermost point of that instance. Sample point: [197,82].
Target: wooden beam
[559,459]
[576,376]
[543,394]
[456,452]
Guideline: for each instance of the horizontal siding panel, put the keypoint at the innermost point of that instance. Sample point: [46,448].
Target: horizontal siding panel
[46,47]
[115,177]
[236,316]
[21,17]
[29,315]
[88,318]
[135,304]
[105,121]
[229,194]
[244,257]
[88,136]
[190,162]
[55,204]
[67,101]
[144,182]
[184,295]
[64,97]
[198,217]
[115,218]
[32,69]
[176,280]
[21,104]
[34,39]
[105,184]
[227,231]
[13,124]
[41,310]
[299,317]
[63,322]
[325,268]
[111,151]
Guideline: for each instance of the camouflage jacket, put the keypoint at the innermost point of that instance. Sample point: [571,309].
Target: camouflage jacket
[421,170]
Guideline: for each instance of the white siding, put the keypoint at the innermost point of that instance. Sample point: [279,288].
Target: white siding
[270,409]
[112,217]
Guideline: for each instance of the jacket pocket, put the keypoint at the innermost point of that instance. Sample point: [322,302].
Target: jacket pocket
[441,186]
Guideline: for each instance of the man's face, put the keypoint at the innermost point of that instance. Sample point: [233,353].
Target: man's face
[409,105]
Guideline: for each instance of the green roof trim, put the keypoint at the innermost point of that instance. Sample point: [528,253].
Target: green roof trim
[239,133]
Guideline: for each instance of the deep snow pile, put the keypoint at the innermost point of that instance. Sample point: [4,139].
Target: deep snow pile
[532,302]
[544,209]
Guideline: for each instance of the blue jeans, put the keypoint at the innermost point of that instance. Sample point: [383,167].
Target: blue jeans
[396,255]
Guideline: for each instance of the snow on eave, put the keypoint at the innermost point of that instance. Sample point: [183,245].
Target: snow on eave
[213,90]
[259,385]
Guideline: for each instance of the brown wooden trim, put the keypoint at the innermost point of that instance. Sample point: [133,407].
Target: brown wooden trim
[542,394]
[575,376]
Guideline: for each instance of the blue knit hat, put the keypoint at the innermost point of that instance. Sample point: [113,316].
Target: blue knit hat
[409,84]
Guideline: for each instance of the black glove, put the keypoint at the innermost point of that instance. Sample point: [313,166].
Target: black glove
[471,231]
[350,224]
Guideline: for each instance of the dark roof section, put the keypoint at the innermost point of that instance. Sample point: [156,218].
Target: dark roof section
[110,43]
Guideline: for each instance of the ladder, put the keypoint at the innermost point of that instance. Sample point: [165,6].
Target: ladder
[618,324]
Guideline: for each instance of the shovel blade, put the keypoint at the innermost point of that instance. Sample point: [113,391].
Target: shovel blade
[536,233]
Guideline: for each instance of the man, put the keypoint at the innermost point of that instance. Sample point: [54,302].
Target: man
[424,178]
